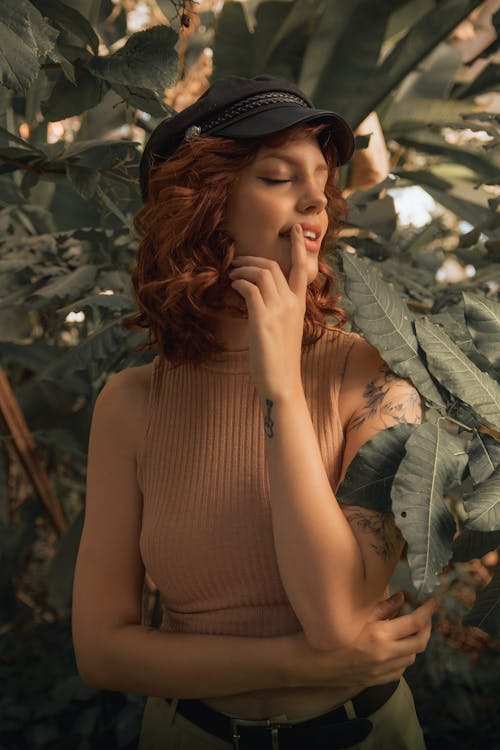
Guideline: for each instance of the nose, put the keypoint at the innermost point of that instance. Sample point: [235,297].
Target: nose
[312,198]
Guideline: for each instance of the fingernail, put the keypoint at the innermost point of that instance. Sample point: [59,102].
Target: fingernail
[395,596]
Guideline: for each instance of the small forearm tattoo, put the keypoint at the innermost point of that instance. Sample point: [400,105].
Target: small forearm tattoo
[389,397]
[268,422]
[383,531]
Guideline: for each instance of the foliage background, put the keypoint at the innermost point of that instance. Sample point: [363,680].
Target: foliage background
[73,115]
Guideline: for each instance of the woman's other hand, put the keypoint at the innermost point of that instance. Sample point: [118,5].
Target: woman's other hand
[380,654]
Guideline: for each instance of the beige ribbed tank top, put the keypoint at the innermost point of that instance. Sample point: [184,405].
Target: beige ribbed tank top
[207,538]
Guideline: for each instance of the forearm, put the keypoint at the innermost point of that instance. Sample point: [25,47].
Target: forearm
[319,557]
[136,659]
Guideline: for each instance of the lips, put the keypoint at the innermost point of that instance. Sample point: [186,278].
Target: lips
[312,246]
[306,226]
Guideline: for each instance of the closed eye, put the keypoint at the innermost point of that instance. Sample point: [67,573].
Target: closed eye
[269,179]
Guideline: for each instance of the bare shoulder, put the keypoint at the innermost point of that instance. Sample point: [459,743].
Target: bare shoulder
[126,393]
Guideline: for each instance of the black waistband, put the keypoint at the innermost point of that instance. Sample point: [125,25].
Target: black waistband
[353,730]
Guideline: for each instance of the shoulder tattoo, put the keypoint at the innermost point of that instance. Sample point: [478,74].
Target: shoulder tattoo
[390,397]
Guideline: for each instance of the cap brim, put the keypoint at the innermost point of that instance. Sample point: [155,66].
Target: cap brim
[269,121]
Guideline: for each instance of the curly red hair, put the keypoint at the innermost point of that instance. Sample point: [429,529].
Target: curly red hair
[183,258]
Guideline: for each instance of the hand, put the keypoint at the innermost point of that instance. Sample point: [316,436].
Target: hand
[276,310]
[381,652]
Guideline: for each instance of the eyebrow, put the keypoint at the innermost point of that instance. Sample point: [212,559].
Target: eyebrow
[291,160]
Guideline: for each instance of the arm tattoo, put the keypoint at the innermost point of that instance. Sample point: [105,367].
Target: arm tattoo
[384,532]
[268,422]
[388,397]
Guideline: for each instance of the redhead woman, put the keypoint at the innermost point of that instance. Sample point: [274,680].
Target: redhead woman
[214,468]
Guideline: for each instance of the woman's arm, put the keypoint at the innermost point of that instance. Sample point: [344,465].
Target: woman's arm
[330,569]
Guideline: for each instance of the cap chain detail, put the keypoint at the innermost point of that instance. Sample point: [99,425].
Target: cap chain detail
[229,114]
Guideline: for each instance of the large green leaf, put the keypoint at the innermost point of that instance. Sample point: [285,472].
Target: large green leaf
[328,30]
[233,43]
[147,60]
[352,82]
[482,317]
[458,374]
[298,15]
[69,20]
[385,321]
[285,59]
[368,480]
[25,39]
[67,100]
[460,203]
[484,456]
[485,166]
[483,505]
[485,613]
[346,80]
[434,462]
[474,544]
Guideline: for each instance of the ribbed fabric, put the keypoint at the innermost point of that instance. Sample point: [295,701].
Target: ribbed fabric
[207,536]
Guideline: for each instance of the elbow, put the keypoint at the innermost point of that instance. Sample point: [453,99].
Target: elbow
[86,669]
[86,674]
[331,638]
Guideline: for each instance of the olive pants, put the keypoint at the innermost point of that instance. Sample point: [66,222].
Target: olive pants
[395,727]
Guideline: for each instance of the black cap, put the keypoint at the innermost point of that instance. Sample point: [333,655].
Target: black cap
[237,107]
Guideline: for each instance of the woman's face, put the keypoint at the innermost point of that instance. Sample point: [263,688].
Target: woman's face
[282,186]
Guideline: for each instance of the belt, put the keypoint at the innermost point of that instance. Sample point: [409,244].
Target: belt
[332,730]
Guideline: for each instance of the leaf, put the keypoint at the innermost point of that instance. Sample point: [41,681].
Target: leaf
[85,181]
[144,99]
[67,100]
[471,545]
[434,462]
[106,302]
[102,154]
[430,143]
[482,317]
[485,613]
[233,43]
[70,20]
[68,286]
[298,15]
[484,456]
[483,505]
[384,320]
[328,30]
[378,215]
[368,480]
[453,321]
[98,349]
[458,374]
[352,80]
[25,39]
[459,204]
[67,68]
[147,60]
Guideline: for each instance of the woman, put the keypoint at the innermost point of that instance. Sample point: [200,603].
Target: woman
[214,467]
